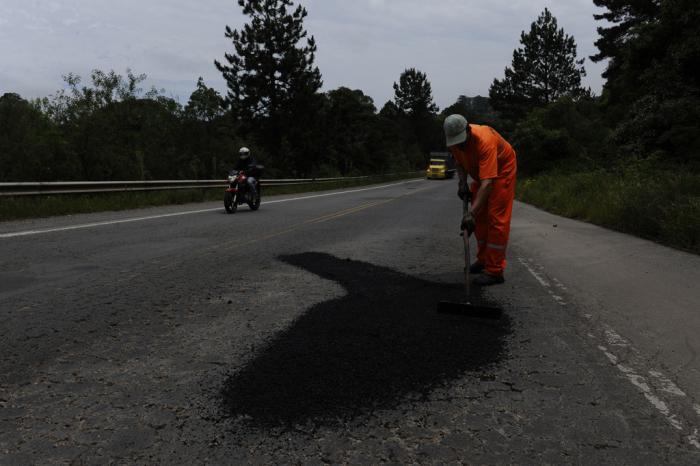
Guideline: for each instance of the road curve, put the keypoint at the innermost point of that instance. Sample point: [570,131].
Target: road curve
[307,332]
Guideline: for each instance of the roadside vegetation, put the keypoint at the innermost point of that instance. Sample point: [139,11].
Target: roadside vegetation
[627,159]
[658,204]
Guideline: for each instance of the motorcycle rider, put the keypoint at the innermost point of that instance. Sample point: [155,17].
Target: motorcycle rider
[248,164]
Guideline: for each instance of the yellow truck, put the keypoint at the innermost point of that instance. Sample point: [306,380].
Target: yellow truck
[441,166]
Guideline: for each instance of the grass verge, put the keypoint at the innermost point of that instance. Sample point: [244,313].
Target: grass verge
[660,205]
[23,207]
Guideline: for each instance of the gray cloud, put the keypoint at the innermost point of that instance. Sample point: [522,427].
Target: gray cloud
[364,44]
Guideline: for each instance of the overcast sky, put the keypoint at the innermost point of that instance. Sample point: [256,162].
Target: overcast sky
[363,44]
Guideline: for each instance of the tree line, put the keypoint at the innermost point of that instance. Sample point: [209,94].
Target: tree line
[110,128]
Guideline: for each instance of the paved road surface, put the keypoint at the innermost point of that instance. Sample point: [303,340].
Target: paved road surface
[307,332]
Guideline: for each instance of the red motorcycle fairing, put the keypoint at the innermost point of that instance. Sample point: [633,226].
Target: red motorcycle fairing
[242,178]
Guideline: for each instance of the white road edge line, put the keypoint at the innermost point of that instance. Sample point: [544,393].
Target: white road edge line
[543,281]
[694,439]
[189,212]
[633,376]
[663,384]
[641,383]
[667,384]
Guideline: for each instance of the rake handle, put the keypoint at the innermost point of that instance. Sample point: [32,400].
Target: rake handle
[467,259]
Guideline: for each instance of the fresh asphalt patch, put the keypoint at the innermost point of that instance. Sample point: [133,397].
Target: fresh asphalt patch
[361,352]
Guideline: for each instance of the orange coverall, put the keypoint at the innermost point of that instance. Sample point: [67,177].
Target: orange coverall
[489,156]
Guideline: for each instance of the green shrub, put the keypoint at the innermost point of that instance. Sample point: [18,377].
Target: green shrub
[563,134]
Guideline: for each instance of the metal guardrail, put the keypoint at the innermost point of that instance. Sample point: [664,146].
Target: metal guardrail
[85,187]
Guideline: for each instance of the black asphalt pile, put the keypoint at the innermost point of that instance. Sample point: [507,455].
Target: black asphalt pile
[365,351]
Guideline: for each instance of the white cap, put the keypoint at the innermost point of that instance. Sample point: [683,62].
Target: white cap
[455,129]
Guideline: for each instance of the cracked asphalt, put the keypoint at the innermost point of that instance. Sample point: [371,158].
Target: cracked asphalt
[307,333]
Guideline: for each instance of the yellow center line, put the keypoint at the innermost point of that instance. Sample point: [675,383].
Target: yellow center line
[351,211]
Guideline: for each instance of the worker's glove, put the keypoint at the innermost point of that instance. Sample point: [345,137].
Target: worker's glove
[468,223]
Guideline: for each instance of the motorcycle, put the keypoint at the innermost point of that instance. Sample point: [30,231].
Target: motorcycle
[239,192]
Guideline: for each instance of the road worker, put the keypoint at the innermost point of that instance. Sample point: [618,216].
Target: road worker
[490,161]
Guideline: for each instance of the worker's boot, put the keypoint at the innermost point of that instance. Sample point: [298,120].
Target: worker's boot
[476,267]
[488,280]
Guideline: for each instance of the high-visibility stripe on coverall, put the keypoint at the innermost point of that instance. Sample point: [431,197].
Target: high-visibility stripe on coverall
[493,225]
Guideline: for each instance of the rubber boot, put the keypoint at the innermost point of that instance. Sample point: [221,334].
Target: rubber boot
[476,267]
[488,280]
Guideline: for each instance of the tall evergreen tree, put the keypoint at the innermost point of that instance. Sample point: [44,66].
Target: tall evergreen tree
[624,17]
[413,93]
[271,78]
[413,96]
[652,91]
[544,69]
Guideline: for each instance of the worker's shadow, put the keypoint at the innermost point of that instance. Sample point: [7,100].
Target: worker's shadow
[366,350]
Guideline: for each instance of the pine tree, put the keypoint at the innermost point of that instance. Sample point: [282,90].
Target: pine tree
[271,78]
[413,96]
[413,93]
[652,92]
[626,16]
[544,69]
